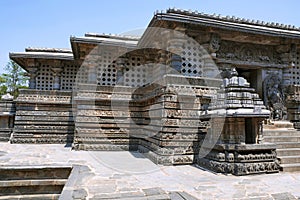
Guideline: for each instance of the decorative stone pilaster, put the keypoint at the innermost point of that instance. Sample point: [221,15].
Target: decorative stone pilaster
[260,132]
[290,59]
[32,73]
[175,44]
[57,76]
[286,77]
[214,45]
[161,59]
[32,77]
[120,70]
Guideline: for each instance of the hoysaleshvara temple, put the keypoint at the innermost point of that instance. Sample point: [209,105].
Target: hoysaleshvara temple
[217,91]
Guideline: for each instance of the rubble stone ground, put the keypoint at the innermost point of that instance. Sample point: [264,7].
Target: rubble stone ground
[126,175]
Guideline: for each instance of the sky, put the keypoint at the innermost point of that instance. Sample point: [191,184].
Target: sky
[50,23]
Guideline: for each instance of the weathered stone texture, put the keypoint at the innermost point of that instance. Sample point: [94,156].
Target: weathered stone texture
[43,117]
[7,112]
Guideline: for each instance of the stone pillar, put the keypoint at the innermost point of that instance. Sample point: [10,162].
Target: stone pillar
[289,58]
[32,77]
[260,132]
[286,78]
[209,56]
[32,72]
[162,61]
[175,44]
[120,70]
[57,76]
[214,45]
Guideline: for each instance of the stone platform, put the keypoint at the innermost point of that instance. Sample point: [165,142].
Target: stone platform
[128,175]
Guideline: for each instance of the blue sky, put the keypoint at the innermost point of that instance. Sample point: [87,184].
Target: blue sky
[37,23]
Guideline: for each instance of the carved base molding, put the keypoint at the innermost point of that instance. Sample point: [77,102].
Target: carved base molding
[49,122]
[42,138]
[161,159]
[240,160]
[105,147]
[239,169]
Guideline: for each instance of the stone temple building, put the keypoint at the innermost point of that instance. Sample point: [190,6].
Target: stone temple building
[220,92]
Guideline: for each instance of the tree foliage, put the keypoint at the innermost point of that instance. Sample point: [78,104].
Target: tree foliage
[13,79]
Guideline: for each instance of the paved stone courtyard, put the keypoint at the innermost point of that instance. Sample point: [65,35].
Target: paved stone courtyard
[100,175]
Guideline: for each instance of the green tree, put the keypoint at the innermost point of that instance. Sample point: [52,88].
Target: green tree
[3,87]
[14,79]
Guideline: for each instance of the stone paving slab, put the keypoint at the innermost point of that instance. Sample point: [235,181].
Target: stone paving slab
[128,175]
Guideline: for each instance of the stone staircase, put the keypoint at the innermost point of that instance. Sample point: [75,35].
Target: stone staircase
[5,134]
[32,182]
[287,140]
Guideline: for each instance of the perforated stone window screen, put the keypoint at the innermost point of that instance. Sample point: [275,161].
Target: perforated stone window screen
[82,75]
[192,59]
[295,71]
[136,74]
[68,76]
[106,70]
[44,79]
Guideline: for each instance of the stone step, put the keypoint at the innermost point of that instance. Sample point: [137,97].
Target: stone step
[277,139]
[288,152]
[34,172]
[32,182]
[24,187]
[30,189]
[27,183]
[289,159]
[279,124]
[4,139]
[31,197]
[5,135]
[287,145]
[282,132]
[290,167]
[287,140]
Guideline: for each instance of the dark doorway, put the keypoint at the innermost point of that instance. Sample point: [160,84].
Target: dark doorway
[254,77]
[250,131]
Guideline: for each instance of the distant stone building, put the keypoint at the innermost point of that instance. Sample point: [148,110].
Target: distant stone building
[194,88]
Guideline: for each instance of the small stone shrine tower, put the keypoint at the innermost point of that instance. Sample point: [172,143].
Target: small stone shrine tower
[235,141]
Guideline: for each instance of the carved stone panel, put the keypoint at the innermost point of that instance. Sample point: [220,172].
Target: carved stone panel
[234,51]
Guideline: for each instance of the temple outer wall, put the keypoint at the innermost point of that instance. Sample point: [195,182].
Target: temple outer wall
[43,117]
[7,113]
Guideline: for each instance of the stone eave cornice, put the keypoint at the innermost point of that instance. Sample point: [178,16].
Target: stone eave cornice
[20,58]
[104,41]
[113,36]
[48,50]
[100,41]
[229,23]
[42,55]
